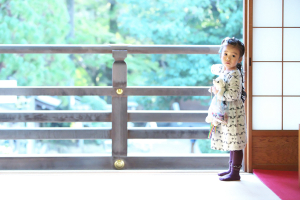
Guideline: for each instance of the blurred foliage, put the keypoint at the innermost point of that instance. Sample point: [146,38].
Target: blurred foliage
[34,22]
[171,22]
[95,102]
[180,23]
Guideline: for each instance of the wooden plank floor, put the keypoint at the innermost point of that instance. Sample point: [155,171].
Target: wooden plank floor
[129,185]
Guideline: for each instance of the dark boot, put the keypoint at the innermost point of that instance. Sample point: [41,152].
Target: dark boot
[230,162]
[234,175]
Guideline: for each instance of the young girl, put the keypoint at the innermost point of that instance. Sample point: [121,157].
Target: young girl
[231,136]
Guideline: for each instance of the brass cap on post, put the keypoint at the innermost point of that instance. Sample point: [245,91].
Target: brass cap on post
[119,91]
[119,164]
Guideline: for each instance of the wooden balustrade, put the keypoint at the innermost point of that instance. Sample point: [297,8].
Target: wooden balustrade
[119,116]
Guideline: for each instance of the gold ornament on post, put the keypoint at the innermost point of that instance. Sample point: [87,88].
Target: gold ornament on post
[119,164]
[119,91]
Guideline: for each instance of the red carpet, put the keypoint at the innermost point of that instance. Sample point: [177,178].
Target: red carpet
[283,183]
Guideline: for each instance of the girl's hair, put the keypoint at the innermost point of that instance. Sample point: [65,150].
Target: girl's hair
[241,47]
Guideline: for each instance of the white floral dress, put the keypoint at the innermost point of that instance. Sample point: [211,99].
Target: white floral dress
[231,136]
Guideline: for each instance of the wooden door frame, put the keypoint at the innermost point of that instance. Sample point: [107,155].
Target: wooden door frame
[252,158]
[247,24]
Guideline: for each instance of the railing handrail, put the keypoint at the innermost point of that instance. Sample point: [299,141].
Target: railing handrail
[107,49]
[106,91]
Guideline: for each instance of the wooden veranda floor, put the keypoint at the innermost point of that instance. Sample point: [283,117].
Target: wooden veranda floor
[123,185]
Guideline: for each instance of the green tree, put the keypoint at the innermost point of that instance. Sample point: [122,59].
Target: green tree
[34,22]
[180,22]
[110,22]
[95,22]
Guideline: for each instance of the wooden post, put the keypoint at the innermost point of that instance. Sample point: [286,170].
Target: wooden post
[119,133]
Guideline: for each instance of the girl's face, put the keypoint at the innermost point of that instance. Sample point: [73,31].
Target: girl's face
[230,57]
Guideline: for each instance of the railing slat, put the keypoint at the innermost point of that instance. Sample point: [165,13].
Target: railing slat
[55,116]
[167,116]
[102,116]
[62,162]
[167,91]
[57,91]
[59,162]
[105,91]
[55,133]
[107,49]
[102,133]
[168,133]
[171,163]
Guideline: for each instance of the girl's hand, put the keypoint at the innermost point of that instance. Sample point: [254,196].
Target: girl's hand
[214,90]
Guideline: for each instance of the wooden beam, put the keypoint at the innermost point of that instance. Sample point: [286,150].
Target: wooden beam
[56,163]
[55,133]
[102,133]
[119,132]
[167,116]
[167,91]
[107,49]
[57,91]
[280,167]
[168,133]
[249,83]
[274,133]
[173,163]
[219,162]
[102,116]
[55,116]
[105,91]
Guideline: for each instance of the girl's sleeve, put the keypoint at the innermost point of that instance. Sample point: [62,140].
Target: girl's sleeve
[217,69]
[233,91]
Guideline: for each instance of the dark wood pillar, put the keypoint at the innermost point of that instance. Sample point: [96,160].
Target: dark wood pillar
[119,132]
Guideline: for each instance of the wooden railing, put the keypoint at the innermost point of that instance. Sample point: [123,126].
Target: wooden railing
[119,133]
